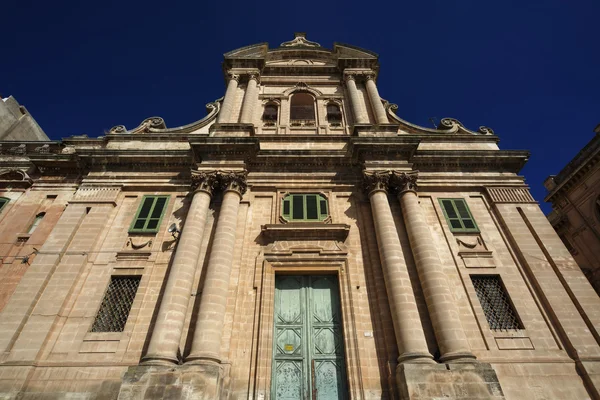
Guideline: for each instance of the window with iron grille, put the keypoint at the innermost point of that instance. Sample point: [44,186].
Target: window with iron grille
[458,215]
[115,307]
[150,214]
[495,302]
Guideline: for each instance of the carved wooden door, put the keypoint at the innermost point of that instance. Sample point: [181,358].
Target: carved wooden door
[308,350]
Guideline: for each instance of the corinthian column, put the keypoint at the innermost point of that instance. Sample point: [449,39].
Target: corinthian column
[250,98]
[359,116]
[376,104]
[405,316]
[445,319]
[166,334]
[213,303]
[225,113]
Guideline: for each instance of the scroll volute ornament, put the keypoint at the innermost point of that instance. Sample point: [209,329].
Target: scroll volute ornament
[233,180]
[204,181]
[375,181]
[404,181]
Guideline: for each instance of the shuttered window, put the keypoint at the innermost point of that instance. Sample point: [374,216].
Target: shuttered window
[116,304]
[304,207]
[458,216]
[149,214]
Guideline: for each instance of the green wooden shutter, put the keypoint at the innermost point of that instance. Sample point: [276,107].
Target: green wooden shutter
[301,207]
[149,214]
[458,216]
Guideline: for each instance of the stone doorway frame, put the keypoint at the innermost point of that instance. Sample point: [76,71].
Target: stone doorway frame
[305,257]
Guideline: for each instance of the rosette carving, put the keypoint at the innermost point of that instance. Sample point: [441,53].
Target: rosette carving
[449,123]
[233,180]
[205,181]
[404,181]
[376,180]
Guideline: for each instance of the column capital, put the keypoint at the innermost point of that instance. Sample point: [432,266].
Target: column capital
[402,182]
[374,181]
[232,76]
[233,180]
[370,76]
[204,181]
[255,76]
[349,76]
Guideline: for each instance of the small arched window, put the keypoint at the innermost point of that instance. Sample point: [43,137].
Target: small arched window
[334,114]
[36,222]
[270,114]
[302,107]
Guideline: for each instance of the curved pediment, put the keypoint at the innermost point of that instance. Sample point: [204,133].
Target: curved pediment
[252,51]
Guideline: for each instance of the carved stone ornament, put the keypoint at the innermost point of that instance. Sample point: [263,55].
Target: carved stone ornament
[205,181]
[300,41]
[349,77]
[233,180]
[254,76]
[376,180]
[233,76]
[404,181]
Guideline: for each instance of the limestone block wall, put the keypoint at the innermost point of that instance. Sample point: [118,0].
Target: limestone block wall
[47,318]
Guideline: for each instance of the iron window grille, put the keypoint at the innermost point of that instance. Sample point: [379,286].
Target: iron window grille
[497,307]
[116,304]
[458,215]
[304,207]
[149,214]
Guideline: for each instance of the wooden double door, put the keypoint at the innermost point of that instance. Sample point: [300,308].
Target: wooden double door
[308,347]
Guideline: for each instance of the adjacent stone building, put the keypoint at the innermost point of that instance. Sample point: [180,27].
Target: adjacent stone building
[301,241]
[575,197]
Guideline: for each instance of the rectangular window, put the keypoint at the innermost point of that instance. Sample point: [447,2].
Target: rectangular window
[150,214]
[458,215]
[115,307]
[304,207]
[495,302]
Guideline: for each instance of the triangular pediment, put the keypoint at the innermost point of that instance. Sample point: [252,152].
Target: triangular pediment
[348,51]
[258,50]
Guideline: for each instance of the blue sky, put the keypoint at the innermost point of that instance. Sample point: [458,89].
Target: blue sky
[527,69]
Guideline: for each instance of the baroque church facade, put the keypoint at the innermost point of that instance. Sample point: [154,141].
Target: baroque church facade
[301,241]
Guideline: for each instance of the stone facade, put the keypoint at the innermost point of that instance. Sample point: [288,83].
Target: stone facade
[16,124]
[237,211]
[575,197]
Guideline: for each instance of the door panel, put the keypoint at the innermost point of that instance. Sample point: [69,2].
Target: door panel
[308,350]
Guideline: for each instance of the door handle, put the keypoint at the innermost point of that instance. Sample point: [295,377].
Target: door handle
[312,374]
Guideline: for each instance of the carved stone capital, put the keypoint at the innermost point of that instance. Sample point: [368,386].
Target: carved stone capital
[401,182]
[204,181]
[254,76]
[349,77]
[370,76]
[376,181]
[235,77]
[233,180]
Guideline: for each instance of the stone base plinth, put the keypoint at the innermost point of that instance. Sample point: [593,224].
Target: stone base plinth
[448,381]
[202,382]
